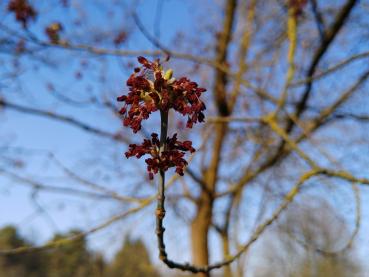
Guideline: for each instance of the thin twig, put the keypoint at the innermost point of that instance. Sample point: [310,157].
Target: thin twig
[62,118]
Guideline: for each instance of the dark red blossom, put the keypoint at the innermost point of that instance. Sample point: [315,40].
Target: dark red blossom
[151,89]
[172,156]
[187,100]
[139,109]
[23,11]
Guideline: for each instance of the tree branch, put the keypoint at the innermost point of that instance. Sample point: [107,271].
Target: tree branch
[62,118]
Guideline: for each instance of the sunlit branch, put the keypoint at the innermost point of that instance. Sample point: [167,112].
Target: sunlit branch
[279,131]
[292,39]
[243,51]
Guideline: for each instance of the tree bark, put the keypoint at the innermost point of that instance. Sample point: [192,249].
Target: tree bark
[199,232]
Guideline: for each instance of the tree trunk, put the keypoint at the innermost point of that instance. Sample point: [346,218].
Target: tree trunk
[202,221]
[199,232]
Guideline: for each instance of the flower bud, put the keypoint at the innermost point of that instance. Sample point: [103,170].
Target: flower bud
[168,74]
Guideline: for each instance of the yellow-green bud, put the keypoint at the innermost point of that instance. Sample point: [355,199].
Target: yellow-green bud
[168,74]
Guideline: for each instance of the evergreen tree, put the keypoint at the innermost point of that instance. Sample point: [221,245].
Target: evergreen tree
[30,265]
[73,259]
[132,261]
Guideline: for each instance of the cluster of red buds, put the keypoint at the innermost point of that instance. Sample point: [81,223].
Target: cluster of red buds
[153,89]
[23,11]
[172,156]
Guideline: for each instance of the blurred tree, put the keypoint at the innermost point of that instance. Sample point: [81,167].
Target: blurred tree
[73,259]
[310,241]
[32,265]
[132,260]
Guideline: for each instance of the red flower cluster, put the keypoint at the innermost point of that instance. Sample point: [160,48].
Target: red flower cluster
[23,11]
[172,156]
[151,89]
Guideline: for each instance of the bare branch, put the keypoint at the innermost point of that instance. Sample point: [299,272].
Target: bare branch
[62,118]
